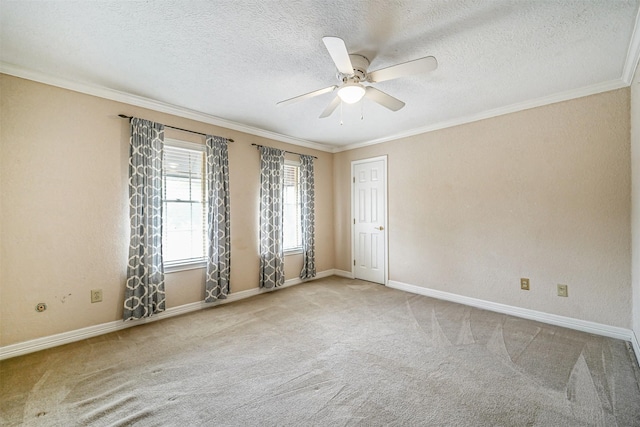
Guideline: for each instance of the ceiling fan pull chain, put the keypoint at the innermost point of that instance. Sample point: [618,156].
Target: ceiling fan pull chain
[341,122]
[361,110]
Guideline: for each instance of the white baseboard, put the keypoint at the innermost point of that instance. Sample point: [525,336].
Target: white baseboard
[552,319]
[297,280]
[636,346]
[51,341]
[342,273]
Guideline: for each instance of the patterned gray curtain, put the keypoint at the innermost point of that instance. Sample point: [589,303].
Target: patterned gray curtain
[219,254]
[307,208]
[144,292]
[271,213]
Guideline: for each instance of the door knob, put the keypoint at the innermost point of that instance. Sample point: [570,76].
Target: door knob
[379,228]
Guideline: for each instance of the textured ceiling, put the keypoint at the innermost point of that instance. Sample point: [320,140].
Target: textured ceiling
[234,60]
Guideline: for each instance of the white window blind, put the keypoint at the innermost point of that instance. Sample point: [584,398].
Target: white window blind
[292,226]
[184,219]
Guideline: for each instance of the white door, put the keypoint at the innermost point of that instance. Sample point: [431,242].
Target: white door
[369,219]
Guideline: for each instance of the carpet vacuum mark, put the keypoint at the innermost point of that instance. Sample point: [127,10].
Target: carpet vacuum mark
[333,352]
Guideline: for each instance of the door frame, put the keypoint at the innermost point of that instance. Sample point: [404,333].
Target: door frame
[386,213]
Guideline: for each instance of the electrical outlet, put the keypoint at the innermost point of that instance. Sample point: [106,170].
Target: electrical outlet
[96,295]
[524,284]
[563,291]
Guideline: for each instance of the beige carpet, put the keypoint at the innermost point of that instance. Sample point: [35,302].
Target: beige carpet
[329,352]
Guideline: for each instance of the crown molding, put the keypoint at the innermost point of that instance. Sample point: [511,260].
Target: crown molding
[630,65]
[633,53]
[632,59]
[151,104]
[513,108]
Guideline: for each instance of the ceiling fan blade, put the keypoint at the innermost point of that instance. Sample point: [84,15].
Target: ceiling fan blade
[307,95]
[338,51]
[330,108]
[388,101]
[417,66]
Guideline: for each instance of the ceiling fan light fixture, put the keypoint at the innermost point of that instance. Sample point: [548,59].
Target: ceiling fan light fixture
[351,92]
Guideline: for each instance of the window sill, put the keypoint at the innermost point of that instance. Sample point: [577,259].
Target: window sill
[182,266]
[292,251]
[194,265]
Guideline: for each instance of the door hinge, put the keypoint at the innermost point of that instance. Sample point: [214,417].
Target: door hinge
[354,220]
[354,262]
[354,179]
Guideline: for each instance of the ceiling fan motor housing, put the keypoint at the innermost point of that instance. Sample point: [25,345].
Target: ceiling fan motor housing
[360,65]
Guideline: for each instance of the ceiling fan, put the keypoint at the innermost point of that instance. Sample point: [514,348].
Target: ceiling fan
[352,72]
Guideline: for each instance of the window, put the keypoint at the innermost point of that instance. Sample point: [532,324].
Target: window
[185,204]
[291,219]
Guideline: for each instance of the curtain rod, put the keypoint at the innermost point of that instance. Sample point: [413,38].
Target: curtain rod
[290,152]
[173,127]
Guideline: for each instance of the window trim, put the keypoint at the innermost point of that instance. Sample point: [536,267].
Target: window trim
[296,249]
[193,263]
[175,266]
[293,251]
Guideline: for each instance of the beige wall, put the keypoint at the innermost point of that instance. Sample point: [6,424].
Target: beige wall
[542,193]
[635,197]
[64,213]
